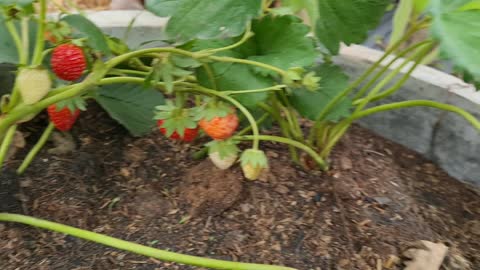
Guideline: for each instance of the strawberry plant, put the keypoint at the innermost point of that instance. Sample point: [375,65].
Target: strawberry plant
[230,66]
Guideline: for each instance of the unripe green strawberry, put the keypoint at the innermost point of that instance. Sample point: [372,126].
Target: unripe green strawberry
[253,163]
[222,163]
[223,154]
[33,84]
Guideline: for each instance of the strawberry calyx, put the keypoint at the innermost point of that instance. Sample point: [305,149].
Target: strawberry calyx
[73,104]
[175,119]
[57,32]
[225,148]
[211,109]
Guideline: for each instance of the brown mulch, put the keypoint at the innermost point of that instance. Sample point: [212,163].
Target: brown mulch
[377,199]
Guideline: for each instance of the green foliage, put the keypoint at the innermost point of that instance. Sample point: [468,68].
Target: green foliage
[163,8]
[310,103]
[347,21]
[95,37]
[458,32]
[206,19]
[281,41]
[131,105]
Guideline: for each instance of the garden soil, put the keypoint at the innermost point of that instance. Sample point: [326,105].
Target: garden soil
[377,200]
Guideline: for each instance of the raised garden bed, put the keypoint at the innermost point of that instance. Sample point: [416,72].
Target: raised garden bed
[376,201]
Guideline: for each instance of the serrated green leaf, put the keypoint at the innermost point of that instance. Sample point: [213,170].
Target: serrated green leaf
[95,38]
[206,19]
[458,33]
[347,21]
[131,105]
[310,103]
[163,8]
[238,77]
[281,41]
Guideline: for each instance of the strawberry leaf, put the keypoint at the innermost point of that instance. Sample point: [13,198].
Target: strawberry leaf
[131,105]
[310,103]
[86,28]
[347,21]
[458,31]
[206,19]
[163,8]
[281,41]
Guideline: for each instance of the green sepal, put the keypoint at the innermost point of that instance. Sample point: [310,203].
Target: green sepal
[255,158]
[59,30]
[293,75]
[211,109]
[224,148]
[175,119]
[310,81]
[72,104]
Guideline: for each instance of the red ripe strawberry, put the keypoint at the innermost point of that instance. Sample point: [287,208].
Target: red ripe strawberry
[189,134]
[220,128]
[63,119]
[68,62]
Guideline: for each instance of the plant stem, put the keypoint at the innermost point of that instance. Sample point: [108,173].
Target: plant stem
[40,39]
[210,75]
[25,39]
[38,146]
[323,165]
[16,38]
[248,34]
[199,89]
[343,126]
[7,141]
[118,71]
[416,58]
[22,110]
[259,122]
[286,131]
[248,62]
[368,85]
[237,104]
[260,90]
[416,103]
[136,248]
[328,108]
[124,57]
